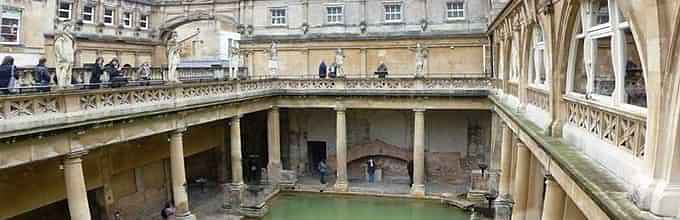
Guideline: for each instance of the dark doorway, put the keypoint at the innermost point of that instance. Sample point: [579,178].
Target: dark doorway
[317,152]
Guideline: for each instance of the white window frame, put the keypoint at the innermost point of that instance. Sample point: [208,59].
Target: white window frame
[538,48]
[69,10]
[335,18]
[387,13]
[515,71]
[112,16]
[450,9]
[126,17]
[144,21]
[615,29]
[277,19]
[5,15]
[92,14]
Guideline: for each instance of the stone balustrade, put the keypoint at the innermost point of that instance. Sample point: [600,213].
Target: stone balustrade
[22,112]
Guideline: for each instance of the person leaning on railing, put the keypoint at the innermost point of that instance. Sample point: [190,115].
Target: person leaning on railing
[97,73]
[42,75]
[8,76]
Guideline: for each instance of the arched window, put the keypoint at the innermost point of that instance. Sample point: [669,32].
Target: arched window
[604,62]
[514,57]
[537,75]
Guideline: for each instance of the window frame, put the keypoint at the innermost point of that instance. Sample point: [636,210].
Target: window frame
[144,19]
[538,47]
[339,16]
[69,10]
[4,15]
[387,13]
[126,16]
[282,18]
[92,14]
[591,32]
[112,16]
[455,10]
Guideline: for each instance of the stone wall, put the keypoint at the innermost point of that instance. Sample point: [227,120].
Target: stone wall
[387,137]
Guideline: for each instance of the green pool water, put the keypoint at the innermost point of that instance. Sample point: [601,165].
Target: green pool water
[305,206]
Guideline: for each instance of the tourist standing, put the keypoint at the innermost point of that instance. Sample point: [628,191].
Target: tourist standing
[323,169]
[97,72]
[42,76]
[409,168]
[382,70]
[370,166]
[322,70]
[144,71]
[114,71]
[7,75]
[333,70]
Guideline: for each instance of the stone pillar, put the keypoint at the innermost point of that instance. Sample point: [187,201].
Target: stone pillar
[235,137]
[521,184]
[418,188]
[179,185]
[341,150]
[506,159]
[571,212]
[76,193]
[274,141]
[553,203]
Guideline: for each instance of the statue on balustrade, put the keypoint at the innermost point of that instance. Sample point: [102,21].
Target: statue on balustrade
[173,57]
[64,53]
[421,56]
[234,62]
[273,59]
[339,62]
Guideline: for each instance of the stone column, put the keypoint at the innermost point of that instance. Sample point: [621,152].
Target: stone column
[235,137]
[274,141]
[506,159]
[553,203]
[76,193]
[179,185]
[521,184]
[418,188]
[341,150]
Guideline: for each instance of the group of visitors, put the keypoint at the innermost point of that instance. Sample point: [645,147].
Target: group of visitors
[111,72]
[331,71]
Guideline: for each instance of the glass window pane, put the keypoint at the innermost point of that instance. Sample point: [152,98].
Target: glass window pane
[603,70]
[580,77]
[636,94]
[601,11]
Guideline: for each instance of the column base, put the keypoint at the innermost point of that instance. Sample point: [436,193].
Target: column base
[665,199]
[418,190]
[274,173]
[186,216]
[341,187]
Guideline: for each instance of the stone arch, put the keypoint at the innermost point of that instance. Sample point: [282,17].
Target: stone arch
[172,23]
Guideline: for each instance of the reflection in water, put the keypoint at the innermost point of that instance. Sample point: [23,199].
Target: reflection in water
[334,207]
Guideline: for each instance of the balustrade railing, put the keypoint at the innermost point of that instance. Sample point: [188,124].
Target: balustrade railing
[539,98]
[22,106]
[512,89]
[617,128]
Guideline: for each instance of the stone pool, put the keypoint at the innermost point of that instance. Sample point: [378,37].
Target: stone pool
[311,206]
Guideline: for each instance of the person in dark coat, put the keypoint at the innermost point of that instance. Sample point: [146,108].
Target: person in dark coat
[42,75]
[409,168]
[97,72]
[322,70]
[370,167]
[7,71]
[114,71]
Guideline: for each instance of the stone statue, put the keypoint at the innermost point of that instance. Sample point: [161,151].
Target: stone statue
[173,57]
[64,51]
[339,62]
[274,60]
[234,62]
[421,56]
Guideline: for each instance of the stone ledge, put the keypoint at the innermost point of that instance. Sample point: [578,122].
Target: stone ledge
[602,187]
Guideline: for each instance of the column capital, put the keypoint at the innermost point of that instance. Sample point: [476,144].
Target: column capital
[178,131]
[340,108]
[419,109]
[521,144]
[274,108]
[76,154]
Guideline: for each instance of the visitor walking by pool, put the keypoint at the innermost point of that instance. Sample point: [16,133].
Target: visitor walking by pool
[370,166]
[409,168]
[323,169]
